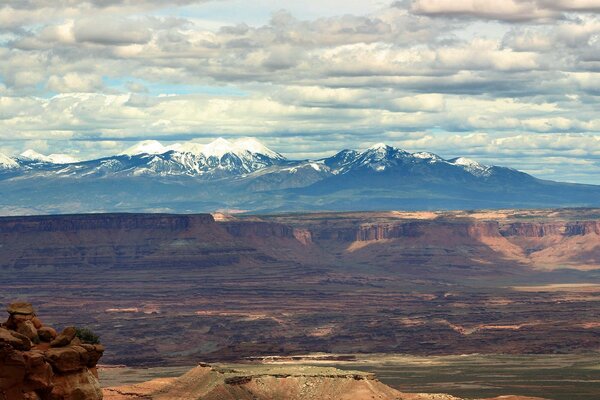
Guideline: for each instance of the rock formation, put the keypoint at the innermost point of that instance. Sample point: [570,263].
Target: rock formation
[258,382]
[267,382]
[36,363]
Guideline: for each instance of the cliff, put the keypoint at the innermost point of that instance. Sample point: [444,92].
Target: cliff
[259,382]
[147,240]
[36,363]
[267,382]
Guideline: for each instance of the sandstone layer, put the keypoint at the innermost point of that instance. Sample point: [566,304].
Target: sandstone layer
[260,382]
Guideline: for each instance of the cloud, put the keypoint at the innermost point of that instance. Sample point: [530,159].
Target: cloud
[505,10]
[73,82]
[111,32]
[467,77]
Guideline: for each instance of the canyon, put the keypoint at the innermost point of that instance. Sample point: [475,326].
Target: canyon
[238,286]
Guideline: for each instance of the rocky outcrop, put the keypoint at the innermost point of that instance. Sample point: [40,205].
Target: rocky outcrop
[540,230]
[267,382]
[266,230]
[38,364]
[260,382]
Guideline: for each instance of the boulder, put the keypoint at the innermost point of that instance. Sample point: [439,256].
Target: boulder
[15,339]
[20,308]
[65,337]
[80,386]
[65,359]
[83,354]
[26,328]
[94,353]
[37,322]
[12,368]
[46,334]
[39,372]
[65,371]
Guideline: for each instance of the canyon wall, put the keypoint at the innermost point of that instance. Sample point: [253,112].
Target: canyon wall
[148,240]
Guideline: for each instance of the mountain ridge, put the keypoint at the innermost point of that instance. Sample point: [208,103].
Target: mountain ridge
[248,153]
[244,174]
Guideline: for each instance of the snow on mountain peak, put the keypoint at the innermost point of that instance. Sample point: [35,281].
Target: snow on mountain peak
[146,147]
[466,162]
[33,155]
[252,145]
[7,163]
[217,148]
[425,155]
[378,146]
[471,166]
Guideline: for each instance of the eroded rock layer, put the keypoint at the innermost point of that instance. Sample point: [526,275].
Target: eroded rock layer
[267,382]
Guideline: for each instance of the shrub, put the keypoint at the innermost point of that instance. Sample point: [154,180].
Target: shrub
[87,336]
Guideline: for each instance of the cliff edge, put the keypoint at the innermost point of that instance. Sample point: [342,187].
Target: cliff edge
[268,382]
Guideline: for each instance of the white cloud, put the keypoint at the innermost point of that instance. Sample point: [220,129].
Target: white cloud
[505,10]
[74,82]
[472,76]
[509,10]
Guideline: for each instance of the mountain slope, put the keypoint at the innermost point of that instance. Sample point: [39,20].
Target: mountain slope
[245,175]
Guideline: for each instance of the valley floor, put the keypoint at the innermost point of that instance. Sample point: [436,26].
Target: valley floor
[558,377]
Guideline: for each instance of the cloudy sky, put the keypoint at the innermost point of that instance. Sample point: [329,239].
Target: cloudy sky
[509,82]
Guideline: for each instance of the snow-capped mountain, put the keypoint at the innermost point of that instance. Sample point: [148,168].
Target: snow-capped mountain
[7,162]
[231,158]
[384,159]
[218,159]
[471,166]
[33,156]
[245,174]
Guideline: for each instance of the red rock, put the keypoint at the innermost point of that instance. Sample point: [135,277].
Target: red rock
[94,353]
[39,372]
[45,373]
[65,338]
[26,328]
[20,308]
[15,339]
[65,359]
[37,322]
[12,368]
[46,334]
[80,386]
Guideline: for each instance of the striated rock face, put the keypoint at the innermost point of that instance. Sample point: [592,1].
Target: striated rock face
[38,364]
[267,229]
[540,230]
[259,382]
[268,382]
[81,222]
[105,240]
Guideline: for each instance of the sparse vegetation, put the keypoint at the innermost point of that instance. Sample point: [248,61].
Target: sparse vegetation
[87,336]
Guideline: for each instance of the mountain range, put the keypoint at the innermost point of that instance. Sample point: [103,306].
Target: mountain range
[245,175]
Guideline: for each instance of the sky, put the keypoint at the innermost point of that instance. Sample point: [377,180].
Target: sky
[506,82]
